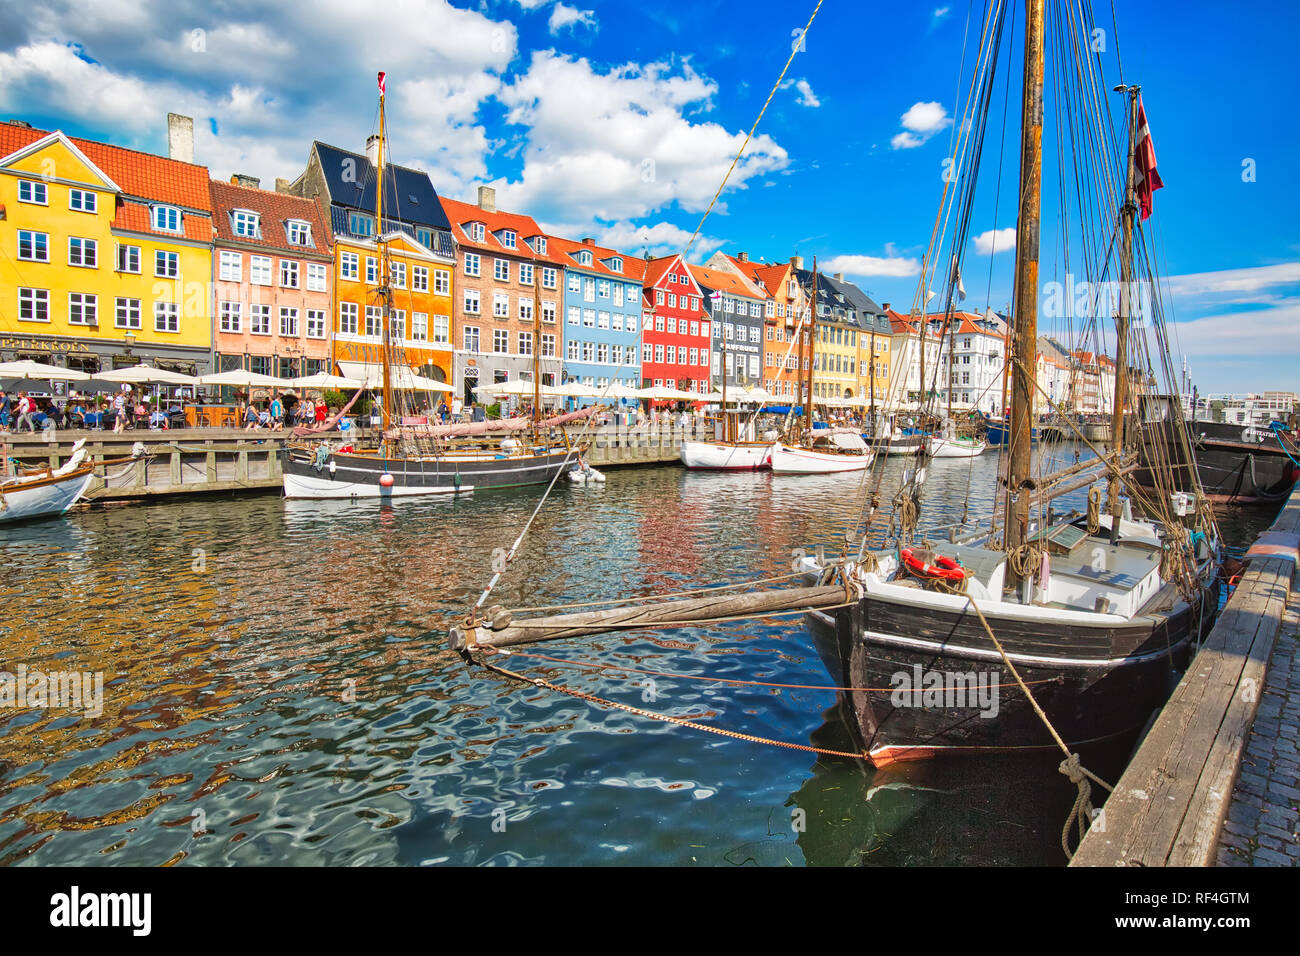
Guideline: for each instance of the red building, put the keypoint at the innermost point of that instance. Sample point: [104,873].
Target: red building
[675,338]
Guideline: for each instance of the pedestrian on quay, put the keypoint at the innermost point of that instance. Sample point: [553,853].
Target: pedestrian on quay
[6,408]
[24,410]
[275,414]
[119,413]
[321,411]
[250,416]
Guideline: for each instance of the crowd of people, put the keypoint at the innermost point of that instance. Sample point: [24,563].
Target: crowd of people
[275,413]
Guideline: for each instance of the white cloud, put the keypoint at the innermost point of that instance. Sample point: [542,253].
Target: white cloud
[995,240]
[662,238]
[806,95]
[616,145]
[266,99]
[1252,279]
[565,16]
[873,266]
[940,14]
[920,122]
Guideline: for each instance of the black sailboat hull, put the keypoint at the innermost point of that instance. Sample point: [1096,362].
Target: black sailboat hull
[344,475]
[1094,683]
[1231,470]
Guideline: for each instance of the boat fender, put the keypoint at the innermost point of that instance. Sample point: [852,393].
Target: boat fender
[334,466]
[385,480]
[943,568]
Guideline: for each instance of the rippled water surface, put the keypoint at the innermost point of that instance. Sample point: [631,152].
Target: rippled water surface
[277,689]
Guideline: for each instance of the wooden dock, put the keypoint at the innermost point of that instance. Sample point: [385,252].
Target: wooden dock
[234,461]
[1169,807]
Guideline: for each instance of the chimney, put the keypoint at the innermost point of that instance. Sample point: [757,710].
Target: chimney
[588,241]
[796,261]
[372,149]
[180,137]
[839,277]
[282,185]
[743,257]
[487,199]
[884,307]
[242,179]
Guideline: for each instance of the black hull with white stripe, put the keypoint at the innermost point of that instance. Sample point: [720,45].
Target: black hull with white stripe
[353,475]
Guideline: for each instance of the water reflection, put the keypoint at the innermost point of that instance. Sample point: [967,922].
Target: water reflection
[277,689]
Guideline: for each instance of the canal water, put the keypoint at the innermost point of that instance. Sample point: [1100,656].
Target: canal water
[277,689]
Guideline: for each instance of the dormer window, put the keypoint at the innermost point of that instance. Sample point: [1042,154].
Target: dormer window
[166,218]
[476,232]
[508,238]
[299,232]
[540,242]
[359,224]
[246,224]
[616,265]
[584,258]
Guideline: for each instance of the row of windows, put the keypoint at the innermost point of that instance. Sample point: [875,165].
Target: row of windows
[602,353]
[682,327]
[508,237]
[79,200]
[501,271]
[248,225]
[501,306]
[350,324]
[688,302]
[84,254]
[231,319]
[501,342]
[592,289]
[350,269]
[362,226]
[83,309]
[261,270]
[592,319]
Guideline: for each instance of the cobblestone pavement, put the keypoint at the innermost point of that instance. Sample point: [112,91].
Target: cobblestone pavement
[1263,825]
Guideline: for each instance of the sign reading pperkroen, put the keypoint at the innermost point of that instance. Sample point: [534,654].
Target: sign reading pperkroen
[75,908]
[70,690]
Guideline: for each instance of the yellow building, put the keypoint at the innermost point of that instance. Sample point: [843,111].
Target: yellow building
[107,255]
[873,359]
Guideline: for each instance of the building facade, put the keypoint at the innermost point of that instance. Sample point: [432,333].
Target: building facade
[906,351]
[787,336]
[274,281]
[675,334]
[978,345]
[735,308]
[421,253]
[107,253]
[506,269]
[602,314]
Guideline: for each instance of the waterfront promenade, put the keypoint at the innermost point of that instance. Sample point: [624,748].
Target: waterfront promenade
[1215,779]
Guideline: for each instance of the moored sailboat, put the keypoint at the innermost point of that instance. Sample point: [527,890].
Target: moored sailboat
[414,457]
[46,492]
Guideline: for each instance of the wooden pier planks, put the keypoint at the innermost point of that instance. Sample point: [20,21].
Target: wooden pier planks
[1169,806]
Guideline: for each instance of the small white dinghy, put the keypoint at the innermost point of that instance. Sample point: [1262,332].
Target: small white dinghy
[583,474]
[46,492]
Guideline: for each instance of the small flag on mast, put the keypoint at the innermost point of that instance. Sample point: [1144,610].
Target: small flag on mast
[381,82]
[1147,180]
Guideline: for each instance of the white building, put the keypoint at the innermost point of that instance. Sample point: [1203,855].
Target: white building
[979,344]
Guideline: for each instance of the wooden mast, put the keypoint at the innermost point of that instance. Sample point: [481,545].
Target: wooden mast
[537,344]
[1125,307]
[812,360]
[1020,422]
[385,275]
[726,354]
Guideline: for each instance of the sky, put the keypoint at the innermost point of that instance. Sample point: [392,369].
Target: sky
[620,121]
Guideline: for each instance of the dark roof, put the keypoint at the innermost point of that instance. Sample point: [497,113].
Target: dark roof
[440,241]
[838,293]
[409,195]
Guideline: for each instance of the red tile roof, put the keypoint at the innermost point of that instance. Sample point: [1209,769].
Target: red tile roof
[461,214]
[134,217]
[275,209]
[141,175]
[721,281]
[567,249]
[656,269]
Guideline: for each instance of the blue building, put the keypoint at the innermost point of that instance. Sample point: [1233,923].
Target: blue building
[602,315]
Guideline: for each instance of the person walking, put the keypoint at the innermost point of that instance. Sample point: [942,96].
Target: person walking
[276,414]
[6,408]
[24,410]
[119,413]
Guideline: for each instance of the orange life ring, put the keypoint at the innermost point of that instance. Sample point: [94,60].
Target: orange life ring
[946,569]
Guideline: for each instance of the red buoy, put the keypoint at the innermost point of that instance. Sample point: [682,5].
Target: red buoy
[386,480]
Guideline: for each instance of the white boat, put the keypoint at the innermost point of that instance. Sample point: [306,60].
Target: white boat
[956,447]
[45,493]
[726,456]
[831,453]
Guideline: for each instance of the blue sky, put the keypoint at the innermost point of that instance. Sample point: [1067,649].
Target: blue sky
[619,120]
